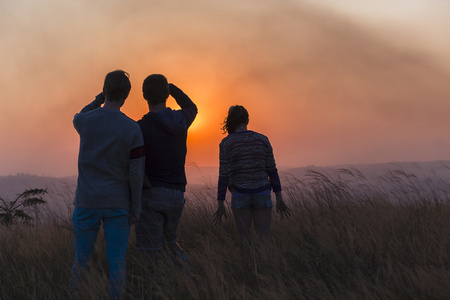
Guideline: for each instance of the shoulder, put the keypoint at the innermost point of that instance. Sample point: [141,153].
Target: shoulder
[223,141]
[227,140]
[256,134]
[176,112]
[83,117]
[259,135]
[145,119]
[127,119]
[128,122]
[251,135]
[84,114]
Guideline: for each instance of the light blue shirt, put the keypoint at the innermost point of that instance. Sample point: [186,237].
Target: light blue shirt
[107,176]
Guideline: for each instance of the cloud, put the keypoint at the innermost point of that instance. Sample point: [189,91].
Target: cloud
[312,79]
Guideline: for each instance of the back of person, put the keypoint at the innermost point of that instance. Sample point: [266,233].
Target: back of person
[249,158]
[107,137]
[110,182]
[165,134]
[247,168]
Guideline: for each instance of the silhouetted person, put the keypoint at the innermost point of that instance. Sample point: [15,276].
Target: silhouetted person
[110,181]
[165,133]
[247,168]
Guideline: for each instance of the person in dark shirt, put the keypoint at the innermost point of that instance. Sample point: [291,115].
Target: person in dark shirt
[165,133]
[247,168]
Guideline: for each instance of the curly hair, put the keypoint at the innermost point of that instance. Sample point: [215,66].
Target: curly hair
[237,115]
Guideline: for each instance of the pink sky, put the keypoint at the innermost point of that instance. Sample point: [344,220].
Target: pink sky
[327,84]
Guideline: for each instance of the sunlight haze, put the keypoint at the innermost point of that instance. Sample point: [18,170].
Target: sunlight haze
[329,83]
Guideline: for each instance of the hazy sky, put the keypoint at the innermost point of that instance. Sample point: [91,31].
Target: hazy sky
[328,83]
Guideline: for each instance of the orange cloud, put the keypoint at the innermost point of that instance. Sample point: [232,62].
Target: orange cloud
[324,89]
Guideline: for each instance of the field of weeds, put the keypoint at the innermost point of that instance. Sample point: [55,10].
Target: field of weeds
[347,238]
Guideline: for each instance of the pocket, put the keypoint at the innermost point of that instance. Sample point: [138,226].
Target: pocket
[241,201]
[260,201]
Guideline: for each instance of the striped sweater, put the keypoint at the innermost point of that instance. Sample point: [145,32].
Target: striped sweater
[247,164]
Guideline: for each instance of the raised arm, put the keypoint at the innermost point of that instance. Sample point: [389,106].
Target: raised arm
[98,101]
[187,106]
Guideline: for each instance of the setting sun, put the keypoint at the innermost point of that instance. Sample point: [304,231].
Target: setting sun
[352,175]
[323,89]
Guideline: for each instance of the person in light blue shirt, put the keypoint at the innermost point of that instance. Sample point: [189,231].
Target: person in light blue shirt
[111,167]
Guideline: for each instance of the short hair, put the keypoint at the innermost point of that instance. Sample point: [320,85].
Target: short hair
[117,85]
[237,115]
[155,89]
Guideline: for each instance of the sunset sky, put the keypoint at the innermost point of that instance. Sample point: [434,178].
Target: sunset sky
[328,83]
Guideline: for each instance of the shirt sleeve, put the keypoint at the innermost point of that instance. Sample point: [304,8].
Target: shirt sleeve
[272,169]
[223,174]
[91,106]
[136,171]
[188,107]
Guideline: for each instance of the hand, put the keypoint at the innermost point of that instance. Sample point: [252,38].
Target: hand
[172,88]
[100,97]
[219,213]
[281,207]
[134,218]
[283,210]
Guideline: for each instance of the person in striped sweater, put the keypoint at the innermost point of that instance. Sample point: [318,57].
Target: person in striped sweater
[248,170]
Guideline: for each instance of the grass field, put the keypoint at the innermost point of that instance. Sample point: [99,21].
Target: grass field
[346,239]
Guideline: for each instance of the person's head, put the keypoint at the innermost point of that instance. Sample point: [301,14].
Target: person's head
[117,86]
[237,116]
[155,89]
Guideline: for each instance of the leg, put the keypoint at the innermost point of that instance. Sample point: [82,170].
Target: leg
[149,229]
[171,227]
[86,224]
[262,218]
[172,220]
[172,210]
[243,221]
[117,232]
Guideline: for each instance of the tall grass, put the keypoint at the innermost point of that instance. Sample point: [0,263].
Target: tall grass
[347,238]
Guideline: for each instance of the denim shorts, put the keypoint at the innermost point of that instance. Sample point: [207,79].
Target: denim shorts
[252,201]
[161,212]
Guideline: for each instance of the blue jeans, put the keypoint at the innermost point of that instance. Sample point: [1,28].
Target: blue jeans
[252,201]
[86,225]
[161,212]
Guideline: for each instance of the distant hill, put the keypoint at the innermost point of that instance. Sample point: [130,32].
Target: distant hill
[13,185]
[62,190]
